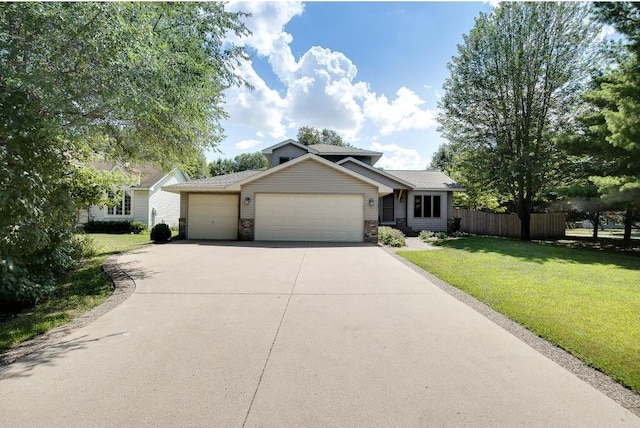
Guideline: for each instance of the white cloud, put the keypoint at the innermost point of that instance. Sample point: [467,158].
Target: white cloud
[261,108]
[401,114]
[268,38]
[493,3]
[320,87]
[397,157]
[247,144]
[323,94]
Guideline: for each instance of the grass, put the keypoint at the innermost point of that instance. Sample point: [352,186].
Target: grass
[82,289]
[585,301]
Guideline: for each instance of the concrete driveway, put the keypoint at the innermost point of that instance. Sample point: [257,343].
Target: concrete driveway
[292,335]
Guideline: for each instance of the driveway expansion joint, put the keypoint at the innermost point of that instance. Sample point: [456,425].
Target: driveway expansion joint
[275,337]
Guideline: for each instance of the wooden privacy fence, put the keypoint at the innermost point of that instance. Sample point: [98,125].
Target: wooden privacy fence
[543,226]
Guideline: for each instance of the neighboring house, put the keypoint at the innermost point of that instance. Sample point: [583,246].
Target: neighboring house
[143,199]
[315,193]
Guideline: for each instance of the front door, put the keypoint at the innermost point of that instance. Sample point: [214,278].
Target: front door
[387,209]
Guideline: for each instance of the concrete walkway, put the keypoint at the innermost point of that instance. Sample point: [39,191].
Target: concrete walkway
[292,335]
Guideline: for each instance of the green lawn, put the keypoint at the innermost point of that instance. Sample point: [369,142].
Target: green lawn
[82,289]
[586,301]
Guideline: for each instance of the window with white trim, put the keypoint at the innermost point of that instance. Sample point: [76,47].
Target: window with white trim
[427,206]
[123,208]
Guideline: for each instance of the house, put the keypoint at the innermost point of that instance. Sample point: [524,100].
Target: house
[314,193]
[143,199]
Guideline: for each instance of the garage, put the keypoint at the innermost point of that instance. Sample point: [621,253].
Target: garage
[213,217]
[309,217]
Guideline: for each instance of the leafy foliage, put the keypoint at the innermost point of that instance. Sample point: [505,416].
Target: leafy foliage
[607,137]
[132,81]
[242,162]
[161,232]
[391,237]
[513,84]
[308,136]
[426,235]
[196,167]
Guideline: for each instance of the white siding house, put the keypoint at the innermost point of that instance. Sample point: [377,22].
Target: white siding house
[143,200]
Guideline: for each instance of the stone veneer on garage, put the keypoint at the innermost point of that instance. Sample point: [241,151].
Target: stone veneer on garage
[371,231]
[245,229]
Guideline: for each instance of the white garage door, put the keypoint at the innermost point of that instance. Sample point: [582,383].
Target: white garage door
[294,217]
[213,217]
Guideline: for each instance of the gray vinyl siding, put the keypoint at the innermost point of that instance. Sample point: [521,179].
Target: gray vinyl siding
[309,177]
[450,213]
[432,224]
[373,175]
[288,150]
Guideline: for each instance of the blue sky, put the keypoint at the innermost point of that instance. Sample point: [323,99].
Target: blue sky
[373,71]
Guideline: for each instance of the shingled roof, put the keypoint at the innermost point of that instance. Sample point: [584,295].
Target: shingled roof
[146,175]
[427,179]
[218,182]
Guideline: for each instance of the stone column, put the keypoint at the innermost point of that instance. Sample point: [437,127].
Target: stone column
[371,231]
[245,229]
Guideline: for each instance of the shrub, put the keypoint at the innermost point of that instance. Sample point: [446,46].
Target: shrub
[25,281]
[116,227]
[161,233]
[86,245]
[441,235]
[391,237]
[137,227]
[426,235]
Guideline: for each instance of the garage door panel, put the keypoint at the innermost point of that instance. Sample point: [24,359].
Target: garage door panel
[295,217]
[213,217]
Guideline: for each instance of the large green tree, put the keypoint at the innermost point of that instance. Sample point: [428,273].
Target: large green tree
[131,81]
[514,83]
[610,135]
[308,135]
[242,162]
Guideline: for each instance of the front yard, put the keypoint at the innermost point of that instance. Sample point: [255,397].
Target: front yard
[585,301]
[83,289]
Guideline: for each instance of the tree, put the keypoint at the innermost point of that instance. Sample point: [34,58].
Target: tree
[611,131]
[131,81]
[242,162]
[512,85]
[196,166]
[308,136]
[450,160]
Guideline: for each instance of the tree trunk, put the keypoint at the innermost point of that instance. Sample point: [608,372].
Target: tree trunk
[595,220]
[524,214]
[628,222]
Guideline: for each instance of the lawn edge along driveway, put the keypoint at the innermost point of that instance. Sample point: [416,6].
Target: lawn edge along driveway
[599,380]
[123,287]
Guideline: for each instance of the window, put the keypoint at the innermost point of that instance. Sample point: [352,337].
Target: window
[284,159]
[124,207]
[427,206]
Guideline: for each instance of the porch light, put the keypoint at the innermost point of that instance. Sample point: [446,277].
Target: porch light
[371,202]
[247,200]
